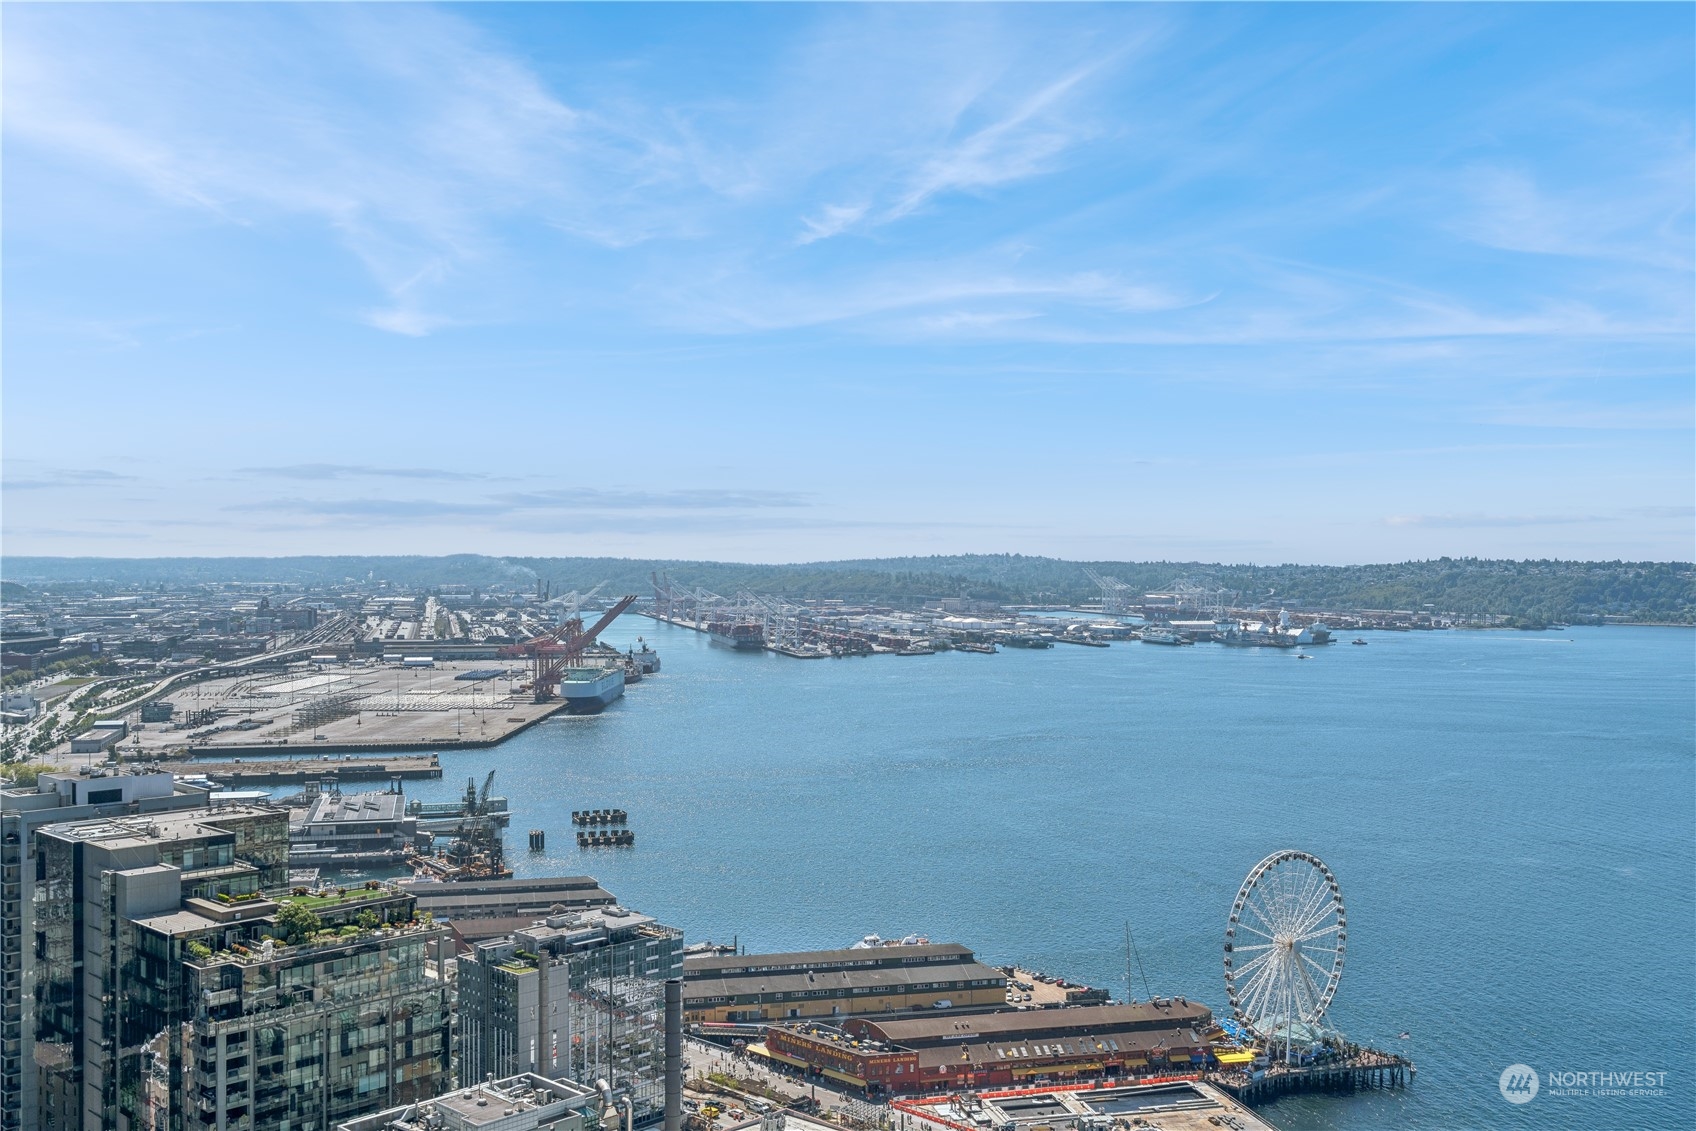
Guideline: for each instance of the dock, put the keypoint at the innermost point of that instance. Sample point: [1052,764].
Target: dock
[370,711]
[299,771]
[1363,1069]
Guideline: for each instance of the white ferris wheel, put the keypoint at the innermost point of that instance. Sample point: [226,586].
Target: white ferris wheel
[1284,947]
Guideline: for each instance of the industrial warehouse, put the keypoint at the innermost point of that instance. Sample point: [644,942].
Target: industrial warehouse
[923,1054]
[838,983]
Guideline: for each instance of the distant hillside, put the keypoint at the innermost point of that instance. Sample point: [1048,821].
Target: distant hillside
[1663,592]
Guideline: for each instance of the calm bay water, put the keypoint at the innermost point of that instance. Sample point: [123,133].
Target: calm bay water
[1512,818]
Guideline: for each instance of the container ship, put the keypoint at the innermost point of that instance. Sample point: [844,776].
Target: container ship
[744,636]
[587,691]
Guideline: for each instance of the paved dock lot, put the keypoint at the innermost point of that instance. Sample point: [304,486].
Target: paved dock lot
[1041,993]
[358,706]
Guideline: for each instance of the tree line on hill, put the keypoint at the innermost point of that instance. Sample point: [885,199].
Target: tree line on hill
[1528,591]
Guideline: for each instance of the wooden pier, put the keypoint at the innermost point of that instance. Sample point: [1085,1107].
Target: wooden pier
[270,772]
[1366,1069]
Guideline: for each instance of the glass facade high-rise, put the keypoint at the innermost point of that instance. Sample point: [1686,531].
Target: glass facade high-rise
[180,985]
[25,1103]
[577,996]
[289,1038]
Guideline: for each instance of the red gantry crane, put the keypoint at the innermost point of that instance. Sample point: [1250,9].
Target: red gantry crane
[560,648]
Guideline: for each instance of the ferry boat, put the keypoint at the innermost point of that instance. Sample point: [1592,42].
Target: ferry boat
[1160,636]
[587,691]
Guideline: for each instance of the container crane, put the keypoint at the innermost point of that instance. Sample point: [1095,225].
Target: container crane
[551,652]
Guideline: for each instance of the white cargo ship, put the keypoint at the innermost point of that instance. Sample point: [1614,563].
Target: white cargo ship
[586,691]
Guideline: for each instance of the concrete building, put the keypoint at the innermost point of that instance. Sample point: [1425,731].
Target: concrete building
[526,1102]
[335,829]
[576,996]
[158,711]
[486,909]
[55,798]
[838,983]
[102,735]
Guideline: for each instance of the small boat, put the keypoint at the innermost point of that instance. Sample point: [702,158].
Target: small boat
[1303,656]
[1404,1036]
[1358,640]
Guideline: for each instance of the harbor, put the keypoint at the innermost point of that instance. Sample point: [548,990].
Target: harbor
[822,629]
[1031,777]
[934,752]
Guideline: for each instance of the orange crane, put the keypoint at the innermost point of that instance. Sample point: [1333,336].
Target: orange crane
[559,648]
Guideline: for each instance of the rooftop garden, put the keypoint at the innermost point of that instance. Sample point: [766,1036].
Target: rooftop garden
[324,899]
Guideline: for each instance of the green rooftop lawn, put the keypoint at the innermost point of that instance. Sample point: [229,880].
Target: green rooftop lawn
[316,903]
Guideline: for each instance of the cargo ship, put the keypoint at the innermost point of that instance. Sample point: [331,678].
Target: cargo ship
[1280,635]
[587,691]
[744,636]
[1256,635]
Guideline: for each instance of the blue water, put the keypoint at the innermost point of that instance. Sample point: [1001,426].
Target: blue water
[1512,818]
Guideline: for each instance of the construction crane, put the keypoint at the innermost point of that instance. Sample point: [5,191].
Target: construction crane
[573,601]
[1117,598]
[477,850]
[551,652]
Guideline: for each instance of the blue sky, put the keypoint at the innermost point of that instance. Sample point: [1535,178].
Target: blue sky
[1277,283]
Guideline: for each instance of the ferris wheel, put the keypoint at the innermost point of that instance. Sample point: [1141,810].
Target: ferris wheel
[1284,946]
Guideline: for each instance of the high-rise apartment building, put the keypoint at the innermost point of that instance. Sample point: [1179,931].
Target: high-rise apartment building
[56,798]
[577,996]
[274,1037]
[178,984]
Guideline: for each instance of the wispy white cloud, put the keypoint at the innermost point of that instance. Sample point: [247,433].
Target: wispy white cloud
[573,500]
[1602,415]
[28,475]
[328,471]
[831,220]
[1020,144]
[444,136]
[1492,521]
[1632,216]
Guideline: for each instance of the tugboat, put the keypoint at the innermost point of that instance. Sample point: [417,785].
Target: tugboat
[1358,640]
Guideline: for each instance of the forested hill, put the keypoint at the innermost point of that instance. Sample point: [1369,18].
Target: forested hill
[1663,592]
